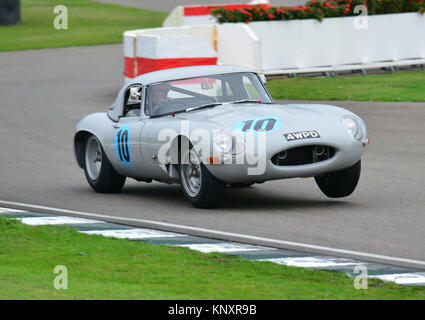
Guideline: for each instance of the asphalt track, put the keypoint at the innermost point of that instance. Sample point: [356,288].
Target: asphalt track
[44,93]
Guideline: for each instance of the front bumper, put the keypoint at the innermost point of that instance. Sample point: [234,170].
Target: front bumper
[345,156]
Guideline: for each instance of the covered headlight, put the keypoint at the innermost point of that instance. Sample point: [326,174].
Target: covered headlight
[229,143]
[354,126]
[223,142]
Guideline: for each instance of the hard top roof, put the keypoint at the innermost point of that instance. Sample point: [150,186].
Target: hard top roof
[168,75]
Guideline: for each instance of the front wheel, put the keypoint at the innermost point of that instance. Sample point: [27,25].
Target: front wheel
[100,174]
[199,186]
[340,183]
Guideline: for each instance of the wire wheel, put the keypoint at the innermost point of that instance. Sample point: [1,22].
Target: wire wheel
[93,158]
[191,173]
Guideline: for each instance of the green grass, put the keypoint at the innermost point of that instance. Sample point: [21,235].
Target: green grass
[402,86]
[124,269]
[89,23]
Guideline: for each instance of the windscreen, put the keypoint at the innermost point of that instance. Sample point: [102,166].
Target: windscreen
[180,95]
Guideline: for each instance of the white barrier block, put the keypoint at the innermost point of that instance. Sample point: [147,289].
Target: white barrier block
[238,45]
[280,43]
[171,46]
[410,32]
[334,41]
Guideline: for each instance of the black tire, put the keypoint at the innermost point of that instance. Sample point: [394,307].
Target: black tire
[340,183]
[210,192]
[108,180]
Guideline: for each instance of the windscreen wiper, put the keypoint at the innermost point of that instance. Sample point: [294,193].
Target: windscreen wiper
[204,106]
[248,100]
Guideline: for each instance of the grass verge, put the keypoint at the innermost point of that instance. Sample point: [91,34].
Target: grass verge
[402,86]
[124,269]
[89,23]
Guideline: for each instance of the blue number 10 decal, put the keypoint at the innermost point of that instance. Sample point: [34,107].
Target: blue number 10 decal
[258,125]
[122,148]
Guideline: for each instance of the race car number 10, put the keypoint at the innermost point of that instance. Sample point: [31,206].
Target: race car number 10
[258,125]
[122,149]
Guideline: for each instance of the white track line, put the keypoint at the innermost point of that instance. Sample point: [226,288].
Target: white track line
[403,278]
[39,221]
[6,210]
[314,262]
[223,247]
[241,237]
[139,233]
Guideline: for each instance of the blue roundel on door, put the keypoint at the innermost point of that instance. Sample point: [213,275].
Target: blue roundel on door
[122,147]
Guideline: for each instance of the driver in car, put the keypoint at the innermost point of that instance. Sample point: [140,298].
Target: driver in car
[159,97]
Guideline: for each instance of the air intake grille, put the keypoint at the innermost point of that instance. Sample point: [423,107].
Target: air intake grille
[303,155]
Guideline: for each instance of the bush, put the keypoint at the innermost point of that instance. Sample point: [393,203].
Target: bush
[317,10]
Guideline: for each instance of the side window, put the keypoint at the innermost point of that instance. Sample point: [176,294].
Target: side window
[132,101]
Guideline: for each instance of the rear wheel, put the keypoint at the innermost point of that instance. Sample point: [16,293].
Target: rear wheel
[340,183]
[199,186]
[100,174]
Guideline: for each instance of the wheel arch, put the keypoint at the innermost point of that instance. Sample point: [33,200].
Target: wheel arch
[79,143]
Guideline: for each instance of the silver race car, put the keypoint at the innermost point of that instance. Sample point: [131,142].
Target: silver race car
[212,127]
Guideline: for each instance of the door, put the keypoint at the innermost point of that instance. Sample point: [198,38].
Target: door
[126,145]
[124,134]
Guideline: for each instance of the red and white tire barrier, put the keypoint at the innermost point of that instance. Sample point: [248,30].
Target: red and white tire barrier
[164,52]
[130,63]
[163,48]
[199,15]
